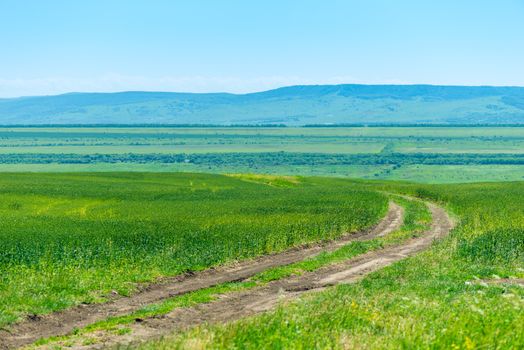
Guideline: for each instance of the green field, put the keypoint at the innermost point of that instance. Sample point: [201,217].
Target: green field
[106,232]
[421,154]
[74,238]
[431,301]
[88,214]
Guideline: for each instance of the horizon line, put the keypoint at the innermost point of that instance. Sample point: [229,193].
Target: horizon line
[255,92]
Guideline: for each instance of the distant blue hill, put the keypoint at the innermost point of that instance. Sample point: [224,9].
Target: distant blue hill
[294,105]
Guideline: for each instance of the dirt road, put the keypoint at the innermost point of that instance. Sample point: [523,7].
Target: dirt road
[242,304]
[66,321]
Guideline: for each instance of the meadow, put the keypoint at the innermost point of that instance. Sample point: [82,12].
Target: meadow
[91,213]
[449,297]
[433,154]
[81,238]
[458,294]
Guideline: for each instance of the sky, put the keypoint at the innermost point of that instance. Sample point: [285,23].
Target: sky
[57,46]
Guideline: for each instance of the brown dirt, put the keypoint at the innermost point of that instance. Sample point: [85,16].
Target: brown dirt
[238,305]
[64,322]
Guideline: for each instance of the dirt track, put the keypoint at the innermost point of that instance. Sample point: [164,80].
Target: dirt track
[238,305]
[64,322]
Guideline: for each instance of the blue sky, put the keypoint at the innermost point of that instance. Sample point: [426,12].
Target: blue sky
[55,46]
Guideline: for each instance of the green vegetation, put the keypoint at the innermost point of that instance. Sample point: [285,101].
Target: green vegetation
[421,154]
[416,219]
[107,231]
[429,301]
[72,238]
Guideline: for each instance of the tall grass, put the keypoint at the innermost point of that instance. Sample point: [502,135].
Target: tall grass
[72,238]
[429,301]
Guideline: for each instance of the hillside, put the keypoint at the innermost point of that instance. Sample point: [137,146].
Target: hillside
[295,105]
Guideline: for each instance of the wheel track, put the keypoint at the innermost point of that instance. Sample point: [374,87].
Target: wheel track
[238,305]
[64,322]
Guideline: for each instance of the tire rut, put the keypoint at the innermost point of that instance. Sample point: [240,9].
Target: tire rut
[64,322]
[230,307]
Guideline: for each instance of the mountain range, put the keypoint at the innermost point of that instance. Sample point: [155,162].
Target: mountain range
[293,105]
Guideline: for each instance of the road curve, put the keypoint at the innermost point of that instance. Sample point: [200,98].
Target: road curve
[242,304]
[64,322]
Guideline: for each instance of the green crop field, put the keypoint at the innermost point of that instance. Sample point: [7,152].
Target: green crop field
[92,215]
[74,238]
[438,299]
[423,154]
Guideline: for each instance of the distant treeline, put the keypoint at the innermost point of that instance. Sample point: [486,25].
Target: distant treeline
[143,126]
[272,158]
[343,125]
[412,125]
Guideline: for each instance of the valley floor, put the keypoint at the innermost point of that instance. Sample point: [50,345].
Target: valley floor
[424,154]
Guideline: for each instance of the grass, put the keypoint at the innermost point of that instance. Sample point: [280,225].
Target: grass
[423,302]
[456,173]
[271,180]
[110,231]
[78,238]
[79,149]
[416,219]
